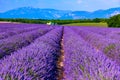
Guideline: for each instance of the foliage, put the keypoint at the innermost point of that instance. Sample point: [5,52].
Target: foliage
[114,21]
[60,22]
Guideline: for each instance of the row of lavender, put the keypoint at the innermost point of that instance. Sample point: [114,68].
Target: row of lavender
[19,40]
[4,27]
[113,33]
[87,56]
[38,61]
[9,29]
[109,46]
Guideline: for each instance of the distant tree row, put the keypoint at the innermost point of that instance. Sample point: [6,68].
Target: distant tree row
[60,22]
[38,21]
[114,21]
[96,20]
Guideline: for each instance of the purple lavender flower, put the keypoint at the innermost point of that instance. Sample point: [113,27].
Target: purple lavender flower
[38,61]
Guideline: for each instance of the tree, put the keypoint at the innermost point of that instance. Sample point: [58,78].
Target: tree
[114,21]
[97,20]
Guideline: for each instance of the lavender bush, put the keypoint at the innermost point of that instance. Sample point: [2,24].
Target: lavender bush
[13,43]
[37,61]
[84,62]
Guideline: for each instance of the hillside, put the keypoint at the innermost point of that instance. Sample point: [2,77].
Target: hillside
[37,13]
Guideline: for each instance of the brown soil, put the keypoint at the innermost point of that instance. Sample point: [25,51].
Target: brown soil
[60,62]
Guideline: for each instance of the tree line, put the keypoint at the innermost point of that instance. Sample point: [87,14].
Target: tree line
[113,21]
[60,22]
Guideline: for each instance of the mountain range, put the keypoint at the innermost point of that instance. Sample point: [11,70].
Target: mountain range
[38,13]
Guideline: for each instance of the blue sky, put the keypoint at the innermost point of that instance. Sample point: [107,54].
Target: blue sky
[86,5]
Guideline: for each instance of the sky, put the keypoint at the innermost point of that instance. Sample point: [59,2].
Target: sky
[75,5]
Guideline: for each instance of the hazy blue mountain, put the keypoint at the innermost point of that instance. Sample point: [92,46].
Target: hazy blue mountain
[105,13]
[37,13]
[76,15]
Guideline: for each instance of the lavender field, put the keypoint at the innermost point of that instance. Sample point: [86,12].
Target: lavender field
[42,52]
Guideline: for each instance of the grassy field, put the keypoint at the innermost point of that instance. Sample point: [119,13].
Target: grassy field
[88,24]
